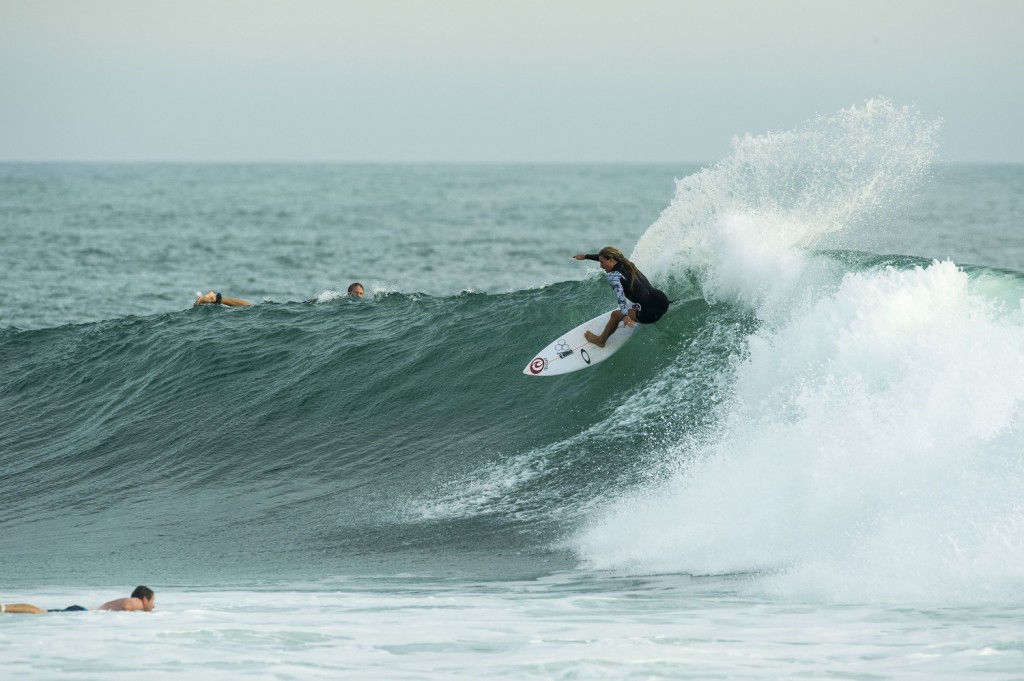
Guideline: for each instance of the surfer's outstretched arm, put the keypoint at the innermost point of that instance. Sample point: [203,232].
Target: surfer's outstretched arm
[213,298]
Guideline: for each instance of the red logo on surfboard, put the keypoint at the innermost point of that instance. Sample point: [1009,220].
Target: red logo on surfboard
[538,365]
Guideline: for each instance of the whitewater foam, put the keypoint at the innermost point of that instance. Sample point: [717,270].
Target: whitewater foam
[800,189]
[870,448]
[867,444]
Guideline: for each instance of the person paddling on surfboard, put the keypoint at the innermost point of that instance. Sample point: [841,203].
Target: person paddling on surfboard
[629,284]
[142,598]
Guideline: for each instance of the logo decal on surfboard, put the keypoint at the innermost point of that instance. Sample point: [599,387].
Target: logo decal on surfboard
[538,365]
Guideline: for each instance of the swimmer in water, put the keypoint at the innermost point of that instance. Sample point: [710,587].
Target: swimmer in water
[355,290]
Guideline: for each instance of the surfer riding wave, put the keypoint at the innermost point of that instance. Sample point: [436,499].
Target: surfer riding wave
[629,284]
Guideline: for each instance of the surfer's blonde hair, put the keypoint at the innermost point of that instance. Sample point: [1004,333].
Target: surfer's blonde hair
[612,252]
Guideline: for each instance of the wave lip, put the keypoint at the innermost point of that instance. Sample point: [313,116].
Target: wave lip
[801,189]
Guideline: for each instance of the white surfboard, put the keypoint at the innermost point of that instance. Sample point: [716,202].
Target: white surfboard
[572,352]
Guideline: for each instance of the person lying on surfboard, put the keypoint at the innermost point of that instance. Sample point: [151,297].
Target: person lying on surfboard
[142,598]
[629,284]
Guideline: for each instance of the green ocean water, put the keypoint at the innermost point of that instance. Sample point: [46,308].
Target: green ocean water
[825,427]
[326,430]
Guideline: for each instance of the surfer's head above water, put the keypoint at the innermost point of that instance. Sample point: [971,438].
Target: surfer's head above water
[609,257]
[611,252]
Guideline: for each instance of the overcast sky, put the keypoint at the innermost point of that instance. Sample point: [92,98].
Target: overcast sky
[491,81]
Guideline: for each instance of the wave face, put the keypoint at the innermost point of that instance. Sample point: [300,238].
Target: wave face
[315,438]
[839,423]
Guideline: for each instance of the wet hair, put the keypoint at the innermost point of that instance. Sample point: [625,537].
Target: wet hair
[611,252]
[352,286]
[143,593]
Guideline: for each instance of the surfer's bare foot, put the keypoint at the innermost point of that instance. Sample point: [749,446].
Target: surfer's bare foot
[593,338]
